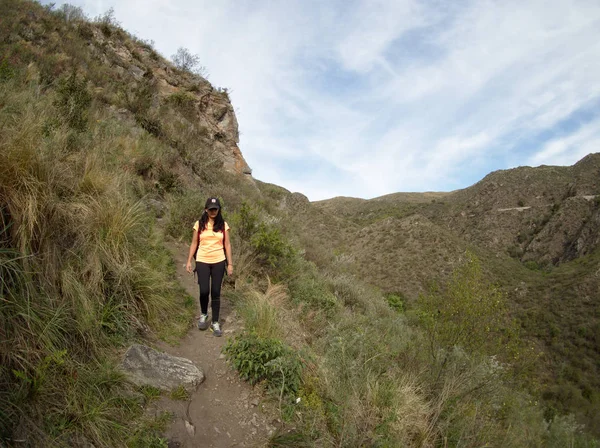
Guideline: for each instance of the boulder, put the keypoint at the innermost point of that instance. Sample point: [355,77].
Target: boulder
[145,366]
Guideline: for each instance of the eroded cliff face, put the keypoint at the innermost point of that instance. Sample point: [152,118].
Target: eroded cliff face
[130,77]
[206,107]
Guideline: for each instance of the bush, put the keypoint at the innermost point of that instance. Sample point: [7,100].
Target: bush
[396,302]
[267,360]
[186,61]
[470,313]
[6,71]
[532,265]
[312,290]
[73,102]
[168,181]
[245,222]
[271,247]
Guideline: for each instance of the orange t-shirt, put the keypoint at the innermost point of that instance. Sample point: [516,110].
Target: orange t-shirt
[211,244]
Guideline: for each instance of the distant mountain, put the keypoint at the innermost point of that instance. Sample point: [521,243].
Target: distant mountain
[537,231]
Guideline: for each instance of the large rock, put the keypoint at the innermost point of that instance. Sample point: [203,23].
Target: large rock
[146,366]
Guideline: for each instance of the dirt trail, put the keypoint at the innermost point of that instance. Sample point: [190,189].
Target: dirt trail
[225,411]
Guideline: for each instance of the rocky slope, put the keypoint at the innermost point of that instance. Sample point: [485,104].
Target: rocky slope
[547,214]
[128,75]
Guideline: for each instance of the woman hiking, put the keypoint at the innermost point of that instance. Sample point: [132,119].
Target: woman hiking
[213,256]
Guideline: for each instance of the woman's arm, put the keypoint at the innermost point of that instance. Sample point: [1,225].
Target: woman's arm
[193,247]
[228,253]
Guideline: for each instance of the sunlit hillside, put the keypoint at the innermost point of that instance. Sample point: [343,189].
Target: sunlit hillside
[398,321]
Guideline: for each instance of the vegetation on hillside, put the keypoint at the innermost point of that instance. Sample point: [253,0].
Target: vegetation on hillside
[415,243]
[90,159]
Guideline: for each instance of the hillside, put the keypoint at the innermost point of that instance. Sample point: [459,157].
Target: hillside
[361,322]
[537,230]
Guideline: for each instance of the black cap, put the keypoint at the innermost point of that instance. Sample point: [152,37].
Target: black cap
[212,203]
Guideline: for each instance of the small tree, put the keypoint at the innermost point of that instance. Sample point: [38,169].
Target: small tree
[72,13]
[188,62]
[470,313]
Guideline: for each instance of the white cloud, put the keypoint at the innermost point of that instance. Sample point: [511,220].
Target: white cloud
[566,150]
[390,95]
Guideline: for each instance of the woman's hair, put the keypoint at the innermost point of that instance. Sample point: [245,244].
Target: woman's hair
[219,225]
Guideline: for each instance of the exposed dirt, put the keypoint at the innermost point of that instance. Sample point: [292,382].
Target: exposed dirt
[224,411]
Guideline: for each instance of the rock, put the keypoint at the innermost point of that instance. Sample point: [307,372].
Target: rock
[136,72]
[191,430]
[158,207]
[145,366]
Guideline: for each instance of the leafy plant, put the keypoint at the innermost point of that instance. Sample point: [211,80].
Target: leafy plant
[270,245]
[245,221]
[396,302]
[6,71]
[268,360]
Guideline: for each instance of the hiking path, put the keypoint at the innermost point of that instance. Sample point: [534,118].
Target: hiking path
[224,411]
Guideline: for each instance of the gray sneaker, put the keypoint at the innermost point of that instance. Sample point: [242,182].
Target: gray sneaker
[216,329]
[203,322]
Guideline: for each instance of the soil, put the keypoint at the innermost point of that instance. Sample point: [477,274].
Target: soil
[224,411]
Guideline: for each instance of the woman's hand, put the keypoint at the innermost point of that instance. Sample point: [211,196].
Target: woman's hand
[229,269]
[188,267]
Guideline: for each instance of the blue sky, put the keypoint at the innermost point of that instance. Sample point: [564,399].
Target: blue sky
[365,98]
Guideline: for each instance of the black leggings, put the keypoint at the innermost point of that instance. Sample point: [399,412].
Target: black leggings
[210,278]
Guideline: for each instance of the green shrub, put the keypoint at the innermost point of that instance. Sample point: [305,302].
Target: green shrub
[470,313]
[182,101]
[73,102]
[6,71]
[396,302]
[267,360]
[168,181]
[150,124]
[532,265]
[138,98]
[245,221]
[271,247]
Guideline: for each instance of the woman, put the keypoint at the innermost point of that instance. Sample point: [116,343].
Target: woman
[212,258]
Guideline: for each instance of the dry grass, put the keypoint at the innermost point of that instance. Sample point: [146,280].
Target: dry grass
[260,311]
[82,271]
